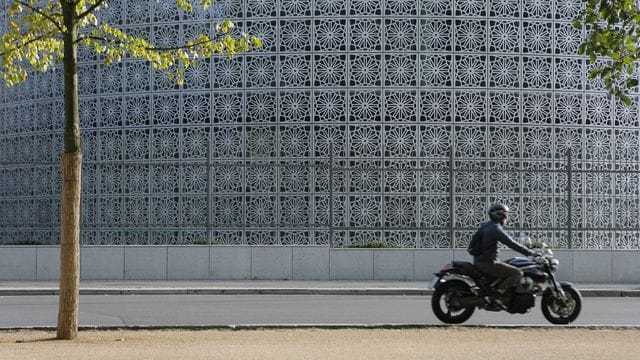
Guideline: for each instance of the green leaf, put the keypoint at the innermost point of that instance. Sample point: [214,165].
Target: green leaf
[257,42]
[577,23]
[624,97]
[630,43]
[582,48]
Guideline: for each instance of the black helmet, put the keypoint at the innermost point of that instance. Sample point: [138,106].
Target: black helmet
[498,211]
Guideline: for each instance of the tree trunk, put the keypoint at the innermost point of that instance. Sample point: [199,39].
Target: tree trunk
[70,246]
[71,168]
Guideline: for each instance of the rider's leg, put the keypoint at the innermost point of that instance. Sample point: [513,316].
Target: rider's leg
[510,275]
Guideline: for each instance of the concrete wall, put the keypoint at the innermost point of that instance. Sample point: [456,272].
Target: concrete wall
[24,263]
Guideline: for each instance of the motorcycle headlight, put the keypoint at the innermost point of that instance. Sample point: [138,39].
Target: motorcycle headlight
[554,264]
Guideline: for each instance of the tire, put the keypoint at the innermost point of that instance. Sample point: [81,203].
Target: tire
[440,302]
[559,312]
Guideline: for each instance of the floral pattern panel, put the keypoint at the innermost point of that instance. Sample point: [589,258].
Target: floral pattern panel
[394,121]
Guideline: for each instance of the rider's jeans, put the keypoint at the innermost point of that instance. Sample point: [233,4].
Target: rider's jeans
[510,274]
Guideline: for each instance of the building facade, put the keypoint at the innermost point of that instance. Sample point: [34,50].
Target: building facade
[421,112]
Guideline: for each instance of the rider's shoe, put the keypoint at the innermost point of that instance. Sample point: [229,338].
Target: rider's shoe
[498,303]
[495,303]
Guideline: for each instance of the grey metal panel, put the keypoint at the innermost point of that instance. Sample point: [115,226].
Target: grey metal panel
[48,263]
[274,262]
[230,263]
[310,263]
[188,262]
[18,263]
[351,264]
[102,263]
[145,262]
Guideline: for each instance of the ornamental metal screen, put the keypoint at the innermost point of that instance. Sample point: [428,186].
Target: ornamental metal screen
[330,202]
[410,93]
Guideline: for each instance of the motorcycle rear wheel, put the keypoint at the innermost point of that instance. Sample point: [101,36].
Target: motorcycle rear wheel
[441,302]
[562,311]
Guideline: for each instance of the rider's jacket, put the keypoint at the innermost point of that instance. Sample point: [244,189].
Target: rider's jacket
[492,233]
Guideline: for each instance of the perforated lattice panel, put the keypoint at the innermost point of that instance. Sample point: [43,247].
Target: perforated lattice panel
[388,87]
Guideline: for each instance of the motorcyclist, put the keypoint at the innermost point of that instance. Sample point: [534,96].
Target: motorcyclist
[491,234]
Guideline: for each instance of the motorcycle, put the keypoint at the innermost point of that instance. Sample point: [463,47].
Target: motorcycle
[460,288]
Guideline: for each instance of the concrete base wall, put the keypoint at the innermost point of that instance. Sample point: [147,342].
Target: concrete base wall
[27,263]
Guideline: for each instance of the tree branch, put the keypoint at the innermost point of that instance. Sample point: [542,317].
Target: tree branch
[114,40]
[85,37]
[179,47]
[46,16]
[91,9]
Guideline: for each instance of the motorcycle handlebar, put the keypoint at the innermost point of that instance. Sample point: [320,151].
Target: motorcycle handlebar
[539,258]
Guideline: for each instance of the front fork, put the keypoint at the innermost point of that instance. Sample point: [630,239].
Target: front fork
[556,287]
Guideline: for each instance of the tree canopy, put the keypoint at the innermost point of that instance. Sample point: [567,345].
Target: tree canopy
[34,39]
[612,43]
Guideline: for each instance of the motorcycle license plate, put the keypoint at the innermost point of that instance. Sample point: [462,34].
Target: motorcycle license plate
[433,282]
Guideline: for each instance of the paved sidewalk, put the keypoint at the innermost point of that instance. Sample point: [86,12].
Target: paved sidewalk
[213,287]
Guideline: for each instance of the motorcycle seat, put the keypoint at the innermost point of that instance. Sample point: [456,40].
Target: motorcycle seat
[469,269]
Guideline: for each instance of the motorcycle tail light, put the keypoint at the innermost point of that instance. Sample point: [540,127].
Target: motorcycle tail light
[446,268]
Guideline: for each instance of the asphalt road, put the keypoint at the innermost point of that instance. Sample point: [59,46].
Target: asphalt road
[209,310]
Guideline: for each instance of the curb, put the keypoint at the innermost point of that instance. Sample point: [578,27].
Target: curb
[609,293]
[260,327]
[225,291]
[275,291]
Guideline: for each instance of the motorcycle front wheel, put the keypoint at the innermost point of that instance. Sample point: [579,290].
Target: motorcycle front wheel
[562,311]
[442,302]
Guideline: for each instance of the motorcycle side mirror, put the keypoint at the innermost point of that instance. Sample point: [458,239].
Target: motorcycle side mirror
[526,241]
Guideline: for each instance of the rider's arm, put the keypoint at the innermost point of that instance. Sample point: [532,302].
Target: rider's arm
[504,238]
